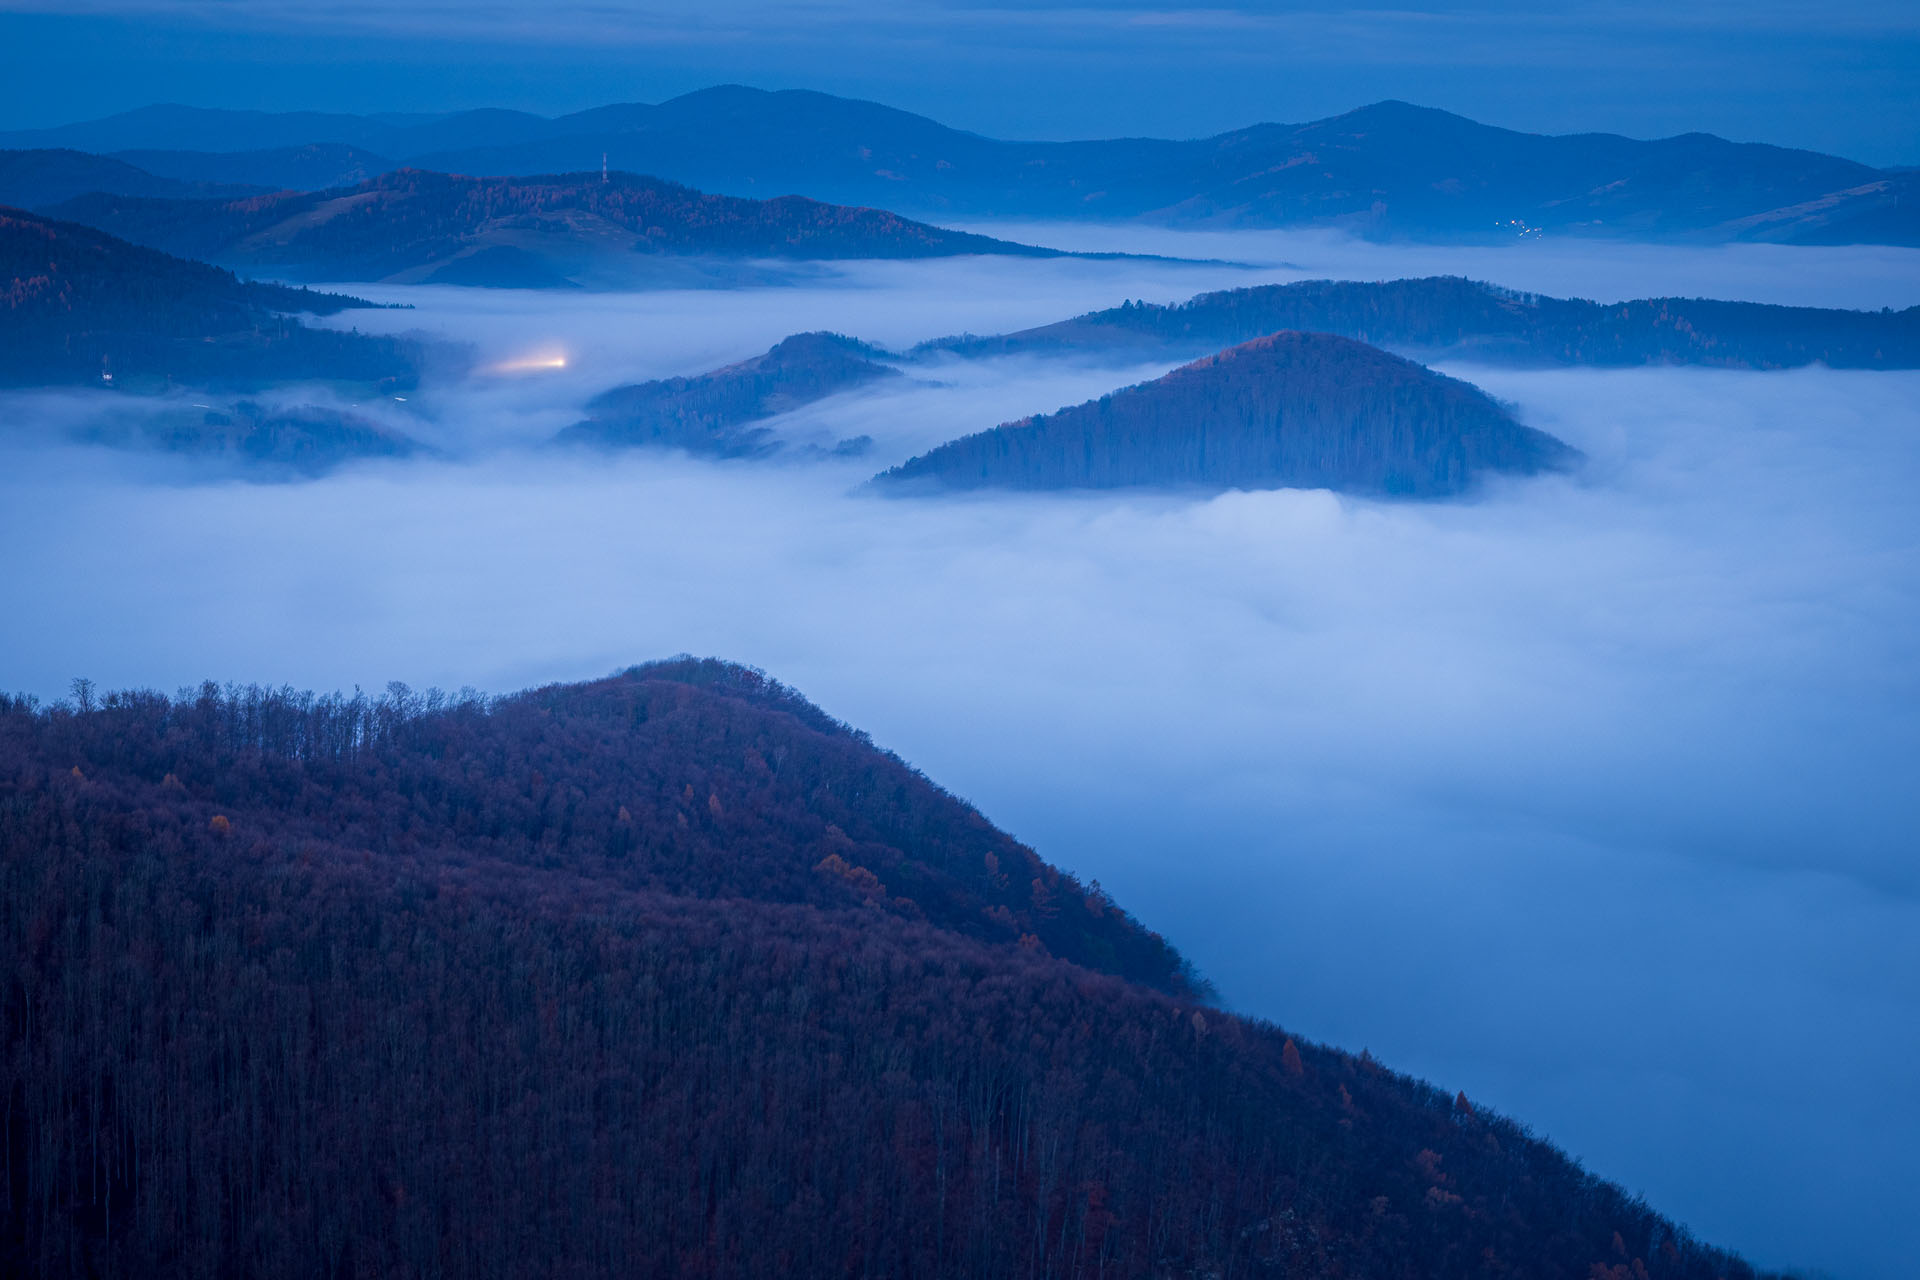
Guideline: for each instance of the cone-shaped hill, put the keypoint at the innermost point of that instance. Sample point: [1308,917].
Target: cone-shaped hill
[1290,410]
[713,414]
[666,974]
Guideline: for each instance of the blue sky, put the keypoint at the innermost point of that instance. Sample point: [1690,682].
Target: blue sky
[1843,78]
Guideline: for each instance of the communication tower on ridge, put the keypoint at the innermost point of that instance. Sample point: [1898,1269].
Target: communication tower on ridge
[603,166]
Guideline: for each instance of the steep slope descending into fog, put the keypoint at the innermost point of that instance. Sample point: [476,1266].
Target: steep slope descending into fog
[714,413]
[1390,168]
[669,973]
[77,306]
[405,226]
[1449,317]
[1292,410]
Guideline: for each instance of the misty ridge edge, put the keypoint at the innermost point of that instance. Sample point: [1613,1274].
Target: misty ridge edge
[1458,318]
[537,864]
[712,414]
[717,413]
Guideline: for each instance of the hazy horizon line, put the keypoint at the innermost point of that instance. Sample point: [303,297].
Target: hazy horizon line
[401,117]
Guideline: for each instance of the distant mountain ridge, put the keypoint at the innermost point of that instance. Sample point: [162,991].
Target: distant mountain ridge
[410,226]
[1389,169]
[1450,317]
[313,166]
[174,127]
[1289,410]
[37,179]
[80,306]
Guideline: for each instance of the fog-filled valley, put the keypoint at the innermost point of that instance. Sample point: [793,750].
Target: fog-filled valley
[1589,794]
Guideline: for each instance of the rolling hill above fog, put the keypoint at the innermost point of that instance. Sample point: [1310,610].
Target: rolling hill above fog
[713,414]
[669,973]
[1290,410]
[1445,317]
[1389,169]
[416,227]
[81,307]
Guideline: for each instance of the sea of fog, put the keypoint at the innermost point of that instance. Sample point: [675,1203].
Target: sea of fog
[1595,797]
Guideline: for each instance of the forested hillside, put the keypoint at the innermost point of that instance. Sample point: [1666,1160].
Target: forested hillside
[409,224]
[77,306]
[665,974]
[713,414]
[1293,410]
[1454,318]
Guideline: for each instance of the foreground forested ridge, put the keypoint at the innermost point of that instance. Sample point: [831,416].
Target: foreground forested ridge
[79,306]
[1293,410]
[665,974]
[1455,318]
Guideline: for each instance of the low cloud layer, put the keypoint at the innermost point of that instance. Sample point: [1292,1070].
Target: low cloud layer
[1592,797]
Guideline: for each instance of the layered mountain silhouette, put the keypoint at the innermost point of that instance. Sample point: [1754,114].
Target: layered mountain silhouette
[80,306]
[37,179]
[176,128]
[1388,169]
[664,974]
[1454,318]
[716,414]
[313,166]
[413,226]
[1289,410]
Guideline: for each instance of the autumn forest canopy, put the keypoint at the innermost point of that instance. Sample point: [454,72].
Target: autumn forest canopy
[669,972]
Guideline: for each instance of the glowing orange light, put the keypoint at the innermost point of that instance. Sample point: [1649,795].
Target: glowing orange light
[529,364]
